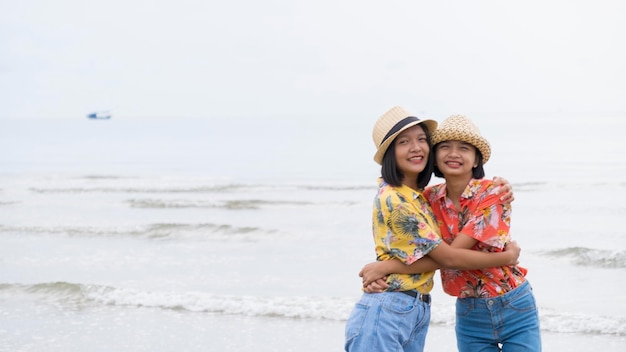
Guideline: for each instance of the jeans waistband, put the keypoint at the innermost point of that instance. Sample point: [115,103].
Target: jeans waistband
[414,293]
[520,290]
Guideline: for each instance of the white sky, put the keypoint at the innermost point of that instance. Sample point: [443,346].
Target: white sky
[318,59]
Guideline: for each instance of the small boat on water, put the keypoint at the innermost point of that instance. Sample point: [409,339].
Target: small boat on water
[101,115]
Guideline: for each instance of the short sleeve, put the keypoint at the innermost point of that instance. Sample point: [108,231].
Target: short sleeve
[414,236]
[489,222]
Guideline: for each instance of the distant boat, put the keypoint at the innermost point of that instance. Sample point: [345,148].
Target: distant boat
[102,115]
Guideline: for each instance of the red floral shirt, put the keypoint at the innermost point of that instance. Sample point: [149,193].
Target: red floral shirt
[485,218]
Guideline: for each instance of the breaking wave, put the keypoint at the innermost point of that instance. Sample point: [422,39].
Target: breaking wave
[222,188]
[591,257]
[152,231]
[301,307]
[226,204]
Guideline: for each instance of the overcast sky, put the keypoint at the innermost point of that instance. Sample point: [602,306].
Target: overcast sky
[317,59]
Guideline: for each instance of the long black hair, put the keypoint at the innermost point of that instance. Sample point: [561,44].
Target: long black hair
[392,174]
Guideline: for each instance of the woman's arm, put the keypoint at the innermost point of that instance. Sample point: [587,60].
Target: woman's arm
[444,256]
[467,259]
[376,270]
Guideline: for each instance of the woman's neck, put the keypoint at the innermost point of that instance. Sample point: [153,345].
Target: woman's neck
[455,186]
[411,185]
[410,182]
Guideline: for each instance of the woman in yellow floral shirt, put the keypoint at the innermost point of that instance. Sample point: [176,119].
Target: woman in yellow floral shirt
[404,228]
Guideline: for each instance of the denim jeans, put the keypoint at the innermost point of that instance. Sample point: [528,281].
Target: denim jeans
[510,320]
[388,321]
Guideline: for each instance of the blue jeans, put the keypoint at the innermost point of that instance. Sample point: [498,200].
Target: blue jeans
[510,320]
[388,321]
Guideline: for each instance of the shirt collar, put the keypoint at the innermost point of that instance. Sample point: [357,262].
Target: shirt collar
[469,192]
[406,191]
[471,189]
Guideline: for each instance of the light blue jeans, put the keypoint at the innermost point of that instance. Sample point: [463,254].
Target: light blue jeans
[388,321]
[510,321]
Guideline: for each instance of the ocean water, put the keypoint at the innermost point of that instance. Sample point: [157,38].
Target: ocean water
[248,234]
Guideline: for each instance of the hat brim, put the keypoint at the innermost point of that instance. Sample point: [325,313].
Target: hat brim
[452,135]
[431,125]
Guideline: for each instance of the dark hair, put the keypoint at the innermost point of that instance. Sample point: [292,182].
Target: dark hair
[477,172]
[392,174]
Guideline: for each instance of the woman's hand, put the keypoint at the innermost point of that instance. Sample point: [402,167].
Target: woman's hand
[377,286]
[506,190]
[514,249]
[372,272]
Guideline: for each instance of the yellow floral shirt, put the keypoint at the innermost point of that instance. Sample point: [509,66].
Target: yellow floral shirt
[405,228]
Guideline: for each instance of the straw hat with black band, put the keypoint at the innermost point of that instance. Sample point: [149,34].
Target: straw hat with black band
[391,124]
[461,128]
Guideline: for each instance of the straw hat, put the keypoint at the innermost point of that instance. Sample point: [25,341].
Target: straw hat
[390,125]
[461,128]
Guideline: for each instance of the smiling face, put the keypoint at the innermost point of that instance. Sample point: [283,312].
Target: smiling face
[456,159]
[411,151]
